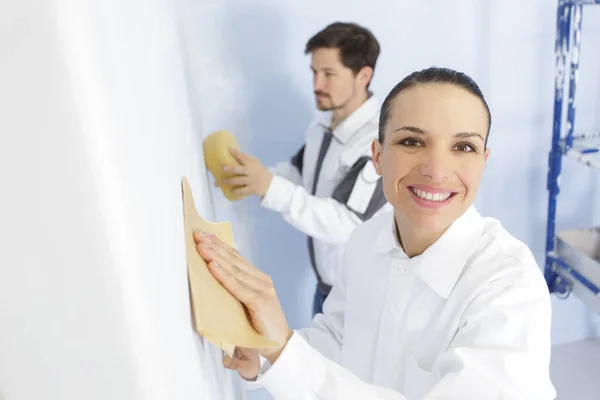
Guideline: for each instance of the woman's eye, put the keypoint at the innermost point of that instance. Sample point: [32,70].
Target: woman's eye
[410,142]
[465,147]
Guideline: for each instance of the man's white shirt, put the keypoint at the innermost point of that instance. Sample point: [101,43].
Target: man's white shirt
[347,193]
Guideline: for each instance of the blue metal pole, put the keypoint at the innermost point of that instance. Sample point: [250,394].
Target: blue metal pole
[555,158]
[576,13]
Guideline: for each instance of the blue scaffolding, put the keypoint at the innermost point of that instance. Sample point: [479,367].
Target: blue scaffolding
[572,257]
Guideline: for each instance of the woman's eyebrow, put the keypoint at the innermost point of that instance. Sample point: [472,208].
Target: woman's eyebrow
[468,135]
[412,129]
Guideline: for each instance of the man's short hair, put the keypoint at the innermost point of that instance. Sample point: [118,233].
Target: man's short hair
[358,46]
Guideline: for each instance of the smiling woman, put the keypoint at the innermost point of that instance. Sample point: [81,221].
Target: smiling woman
[431,152]
[434,301]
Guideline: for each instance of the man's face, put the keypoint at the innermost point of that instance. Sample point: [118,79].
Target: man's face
[334,84]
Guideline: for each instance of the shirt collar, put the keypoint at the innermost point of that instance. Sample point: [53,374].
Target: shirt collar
[356,120]
[442,263]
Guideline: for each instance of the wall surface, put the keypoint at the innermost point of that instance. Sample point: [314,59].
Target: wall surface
[98,125]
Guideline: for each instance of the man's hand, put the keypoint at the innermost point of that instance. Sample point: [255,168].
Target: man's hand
[250,286]
[250,177]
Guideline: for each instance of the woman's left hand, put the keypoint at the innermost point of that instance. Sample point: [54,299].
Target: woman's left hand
[250,286]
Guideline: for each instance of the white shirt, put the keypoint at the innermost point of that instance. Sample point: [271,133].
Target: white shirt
[468,319]
[348,190]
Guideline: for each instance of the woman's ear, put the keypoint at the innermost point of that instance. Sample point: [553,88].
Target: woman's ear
[486,154]
[376,149]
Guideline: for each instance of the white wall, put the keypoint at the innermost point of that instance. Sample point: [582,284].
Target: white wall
[97,127]
[258,85]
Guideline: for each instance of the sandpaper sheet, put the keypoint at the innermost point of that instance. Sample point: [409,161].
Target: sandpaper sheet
[218,316]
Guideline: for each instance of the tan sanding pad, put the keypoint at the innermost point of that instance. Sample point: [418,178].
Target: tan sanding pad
[218,316]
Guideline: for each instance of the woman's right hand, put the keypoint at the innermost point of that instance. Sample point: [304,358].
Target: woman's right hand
[254,289]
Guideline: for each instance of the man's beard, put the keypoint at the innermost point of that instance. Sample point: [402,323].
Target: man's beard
[331,106]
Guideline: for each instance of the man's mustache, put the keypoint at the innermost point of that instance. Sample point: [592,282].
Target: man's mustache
[321,94]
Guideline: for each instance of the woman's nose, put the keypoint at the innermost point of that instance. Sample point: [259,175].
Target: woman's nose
[436,165]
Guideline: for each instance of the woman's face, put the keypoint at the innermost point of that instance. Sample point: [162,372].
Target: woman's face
[432,157]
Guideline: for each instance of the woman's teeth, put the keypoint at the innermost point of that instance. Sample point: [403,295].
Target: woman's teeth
[430,196]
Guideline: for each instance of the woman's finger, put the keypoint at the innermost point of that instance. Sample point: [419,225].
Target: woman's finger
[221,248]
[233,269]
[237,287]
[212,249]
[227,361]
[232,255]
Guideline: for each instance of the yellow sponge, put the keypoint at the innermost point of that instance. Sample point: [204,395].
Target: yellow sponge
[216,155]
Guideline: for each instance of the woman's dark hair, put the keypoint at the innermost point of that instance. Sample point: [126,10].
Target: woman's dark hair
[431,75]
[358,46]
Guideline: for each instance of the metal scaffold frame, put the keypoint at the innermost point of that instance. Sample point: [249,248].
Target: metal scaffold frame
[572,257]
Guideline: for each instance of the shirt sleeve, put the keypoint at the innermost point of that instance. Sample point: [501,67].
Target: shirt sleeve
[501,351]
[302,373]
[330,219]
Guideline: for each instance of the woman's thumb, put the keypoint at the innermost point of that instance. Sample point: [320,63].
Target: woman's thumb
[227,361]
